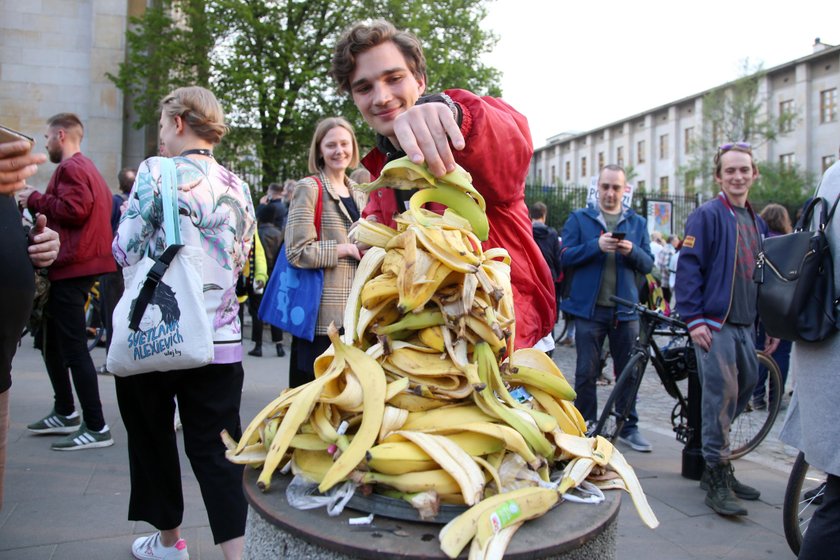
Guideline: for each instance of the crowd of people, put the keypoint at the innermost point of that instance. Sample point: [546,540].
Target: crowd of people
[707,279]
[603,250]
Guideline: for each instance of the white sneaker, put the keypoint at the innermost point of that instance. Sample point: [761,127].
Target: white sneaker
[150,548]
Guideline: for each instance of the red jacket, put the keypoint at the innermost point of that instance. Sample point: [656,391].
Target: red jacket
[77,204]
[497,154]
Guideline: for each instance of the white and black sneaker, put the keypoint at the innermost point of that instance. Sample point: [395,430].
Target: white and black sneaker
[84,438]
[55,423]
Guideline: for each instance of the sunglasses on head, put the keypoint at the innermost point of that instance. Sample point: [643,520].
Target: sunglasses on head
[737,146]
[731,145]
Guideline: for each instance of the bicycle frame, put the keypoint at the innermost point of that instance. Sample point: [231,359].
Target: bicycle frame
[644,349]
[748,428]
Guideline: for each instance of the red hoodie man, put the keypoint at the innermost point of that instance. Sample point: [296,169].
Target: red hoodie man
[384,71]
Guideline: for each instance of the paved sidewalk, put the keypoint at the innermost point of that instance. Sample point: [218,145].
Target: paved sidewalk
[73,505]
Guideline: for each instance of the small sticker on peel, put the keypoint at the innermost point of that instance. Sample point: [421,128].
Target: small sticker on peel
[504,515]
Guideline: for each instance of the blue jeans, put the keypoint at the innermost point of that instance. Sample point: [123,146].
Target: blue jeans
[589,339]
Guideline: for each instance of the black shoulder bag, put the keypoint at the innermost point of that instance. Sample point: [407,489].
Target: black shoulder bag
[795,277]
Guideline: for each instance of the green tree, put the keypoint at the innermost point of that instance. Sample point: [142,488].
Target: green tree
[267,61]
[164,56]
[788,186]
[734,112]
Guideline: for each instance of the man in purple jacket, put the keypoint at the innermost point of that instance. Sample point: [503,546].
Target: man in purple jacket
[77,204]
[717,297]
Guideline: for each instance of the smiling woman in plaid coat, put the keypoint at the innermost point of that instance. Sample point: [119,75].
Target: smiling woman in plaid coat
[333,151]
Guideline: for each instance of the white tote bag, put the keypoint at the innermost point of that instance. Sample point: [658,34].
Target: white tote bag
[160,323]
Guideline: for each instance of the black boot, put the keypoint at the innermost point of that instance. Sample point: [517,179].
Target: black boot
[719,495]
[280,351]
[740,489]
[257,351]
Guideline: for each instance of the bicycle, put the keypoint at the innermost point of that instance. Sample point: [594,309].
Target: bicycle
[561,327]
[801,500]
[93,318]
[673,363]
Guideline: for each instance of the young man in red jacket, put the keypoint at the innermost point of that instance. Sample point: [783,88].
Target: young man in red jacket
[384,71]
[77,204]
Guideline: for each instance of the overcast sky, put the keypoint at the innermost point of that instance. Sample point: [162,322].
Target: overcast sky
[576,65]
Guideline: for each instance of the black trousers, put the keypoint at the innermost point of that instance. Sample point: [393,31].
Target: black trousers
[65,347]
[257,324]
[822,540]
[111,288]
[302,358]
[208,402]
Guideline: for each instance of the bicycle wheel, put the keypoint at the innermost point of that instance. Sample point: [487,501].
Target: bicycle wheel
[93,321]
[750,427]
[612,420]
[803,495]
[561,327]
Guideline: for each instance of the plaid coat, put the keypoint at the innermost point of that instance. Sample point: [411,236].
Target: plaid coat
[305,251]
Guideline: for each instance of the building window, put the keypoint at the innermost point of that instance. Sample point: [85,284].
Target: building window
[828,161]
[539,176]
[663,146]
[663,185]
[619,156]
[689,138]
[568,171]
[787,161]
[786,115]
[640,186]
[640,151]
[828,105]
[583,167]
[600,160]
[553,175]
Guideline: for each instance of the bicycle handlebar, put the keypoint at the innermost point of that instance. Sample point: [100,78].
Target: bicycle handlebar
[654,315]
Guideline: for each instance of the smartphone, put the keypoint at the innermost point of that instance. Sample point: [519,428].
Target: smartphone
[618,235]
[9,135]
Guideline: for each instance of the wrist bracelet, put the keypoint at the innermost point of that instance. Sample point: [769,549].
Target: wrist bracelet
[451,104]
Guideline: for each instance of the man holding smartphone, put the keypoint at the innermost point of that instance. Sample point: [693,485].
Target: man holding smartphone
[607,245]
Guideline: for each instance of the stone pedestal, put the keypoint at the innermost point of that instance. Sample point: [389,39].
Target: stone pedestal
[276,530]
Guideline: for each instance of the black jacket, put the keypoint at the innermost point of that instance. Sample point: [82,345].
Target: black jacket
[549,244]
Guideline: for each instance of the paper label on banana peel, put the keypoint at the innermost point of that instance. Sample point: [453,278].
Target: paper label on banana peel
[521,394]
[505,514]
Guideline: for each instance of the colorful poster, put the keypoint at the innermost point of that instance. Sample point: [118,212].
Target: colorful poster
[660,216]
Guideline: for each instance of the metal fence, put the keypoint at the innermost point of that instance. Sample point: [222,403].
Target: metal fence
[668,212]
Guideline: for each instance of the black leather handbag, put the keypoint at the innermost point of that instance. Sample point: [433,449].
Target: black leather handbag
[795,277]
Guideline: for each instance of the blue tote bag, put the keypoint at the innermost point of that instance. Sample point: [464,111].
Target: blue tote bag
[292,297]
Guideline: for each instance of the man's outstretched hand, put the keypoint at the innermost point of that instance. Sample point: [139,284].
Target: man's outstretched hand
[424,133]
